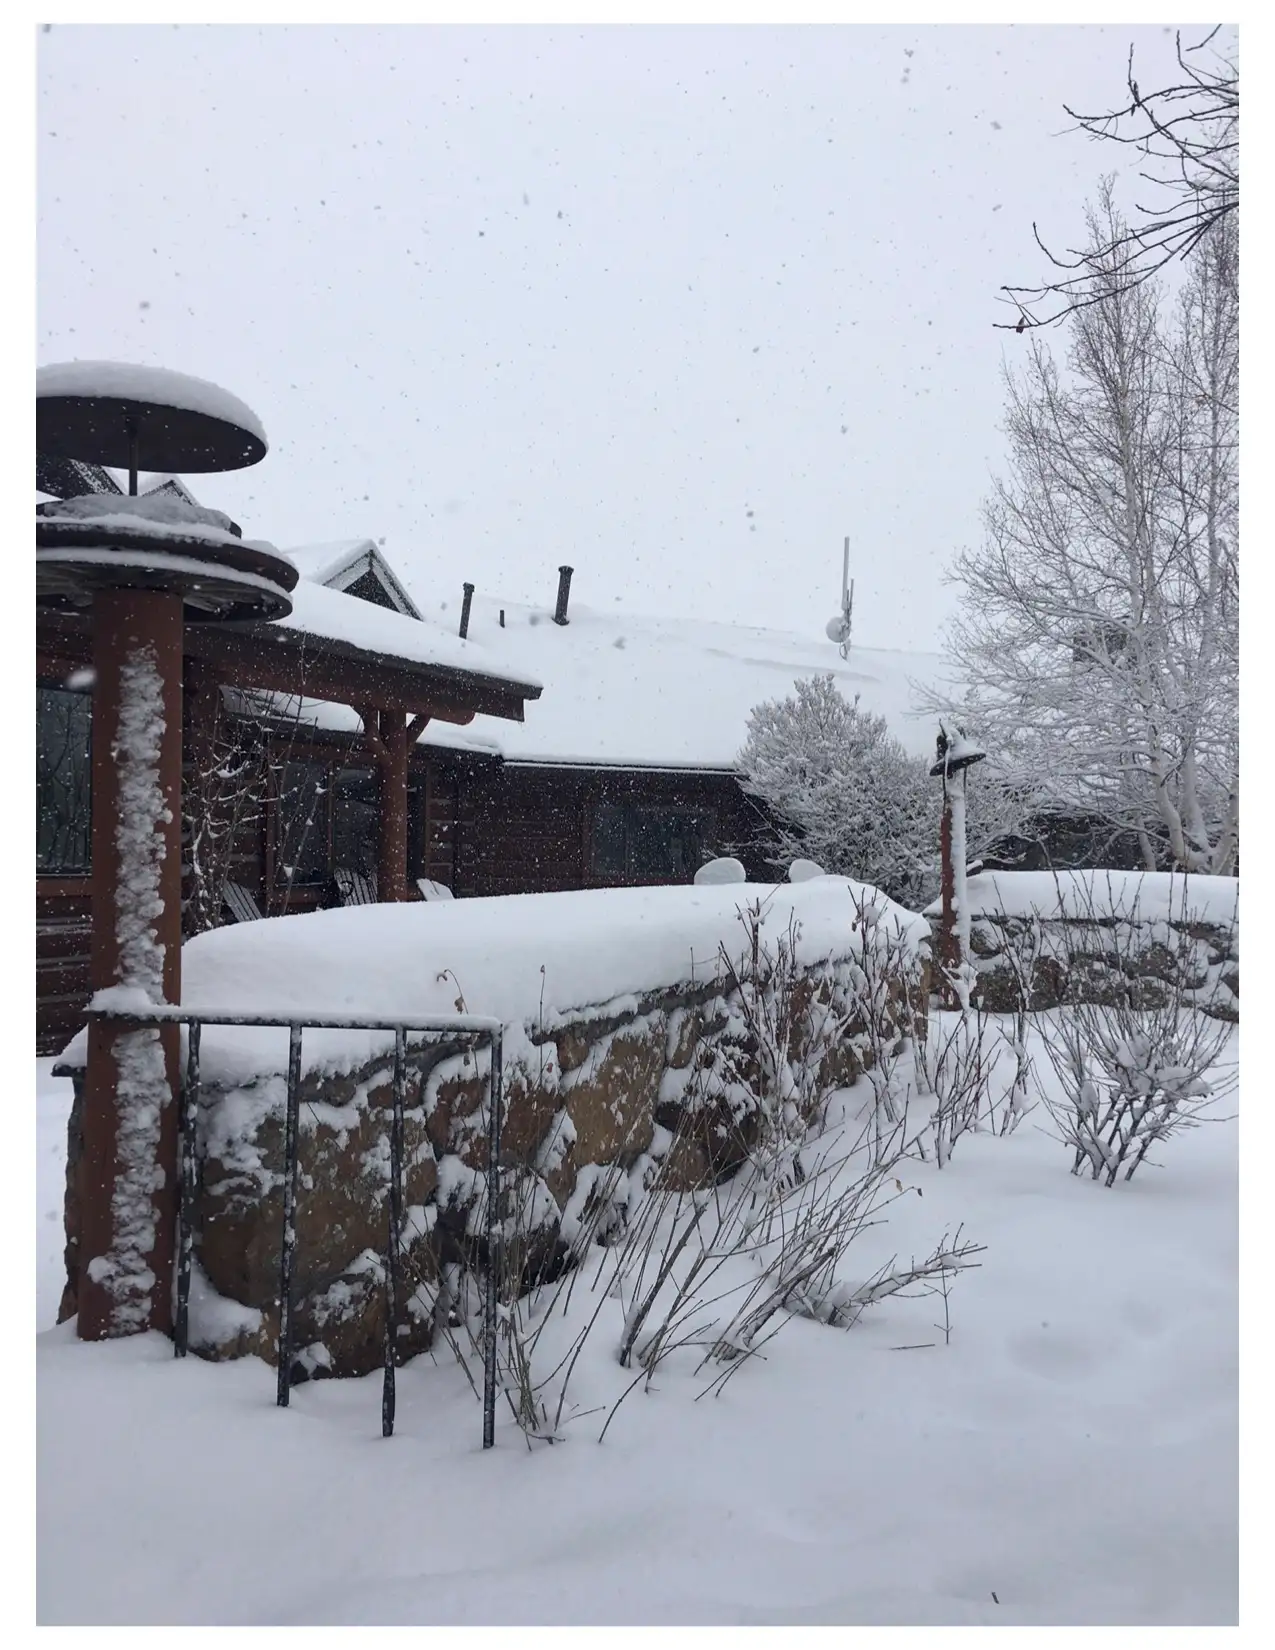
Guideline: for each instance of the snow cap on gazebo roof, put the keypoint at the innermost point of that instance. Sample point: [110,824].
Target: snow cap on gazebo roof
[122,380]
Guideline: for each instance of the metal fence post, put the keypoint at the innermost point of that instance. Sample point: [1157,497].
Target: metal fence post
[289,1237]
[185,1236]
[491,1304]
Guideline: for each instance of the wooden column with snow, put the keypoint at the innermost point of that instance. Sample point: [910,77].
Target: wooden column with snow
[129,1158]
[139,566]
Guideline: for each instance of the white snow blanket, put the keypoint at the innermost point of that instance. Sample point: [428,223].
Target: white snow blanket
[637,691]
[505,957]
[1135,896]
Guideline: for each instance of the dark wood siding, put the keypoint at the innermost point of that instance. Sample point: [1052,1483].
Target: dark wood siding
[522,829]
[63,933]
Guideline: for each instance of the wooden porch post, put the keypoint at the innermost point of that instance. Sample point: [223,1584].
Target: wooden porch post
[391,869]
[128,1167]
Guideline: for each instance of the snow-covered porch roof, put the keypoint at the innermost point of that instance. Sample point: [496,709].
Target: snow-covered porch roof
[336,647]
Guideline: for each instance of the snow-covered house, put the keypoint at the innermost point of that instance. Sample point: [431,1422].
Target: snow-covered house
[624,771]
[295,803]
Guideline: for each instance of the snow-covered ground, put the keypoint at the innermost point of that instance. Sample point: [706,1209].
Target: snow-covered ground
[1069,1457]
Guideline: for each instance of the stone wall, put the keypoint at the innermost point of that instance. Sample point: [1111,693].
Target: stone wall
[664,1081]
[1104,959]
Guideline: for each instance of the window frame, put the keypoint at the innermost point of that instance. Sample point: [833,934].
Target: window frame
[83,868]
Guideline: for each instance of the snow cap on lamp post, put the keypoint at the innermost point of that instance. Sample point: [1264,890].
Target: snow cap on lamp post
[955,755]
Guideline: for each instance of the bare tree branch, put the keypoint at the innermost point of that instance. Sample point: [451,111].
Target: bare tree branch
[1188,135]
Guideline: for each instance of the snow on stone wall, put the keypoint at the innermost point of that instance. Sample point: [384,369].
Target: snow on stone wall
[1096,934]
[614,1081]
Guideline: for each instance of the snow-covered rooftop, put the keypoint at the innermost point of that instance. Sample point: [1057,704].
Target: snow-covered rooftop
[319,562]
[318,611]
[667,692]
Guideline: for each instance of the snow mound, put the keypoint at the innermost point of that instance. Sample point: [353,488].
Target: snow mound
[510,957]
[719,872]
[1136,896]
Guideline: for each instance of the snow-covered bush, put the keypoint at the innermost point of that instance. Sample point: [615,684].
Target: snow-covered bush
[954,1064]
[840,789]
[680,1262]
[1134,1067]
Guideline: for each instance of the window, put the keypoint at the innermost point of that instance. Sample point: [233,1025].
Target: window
[301,843]
[355,798]
[648,844]
[63,764]
[608,841]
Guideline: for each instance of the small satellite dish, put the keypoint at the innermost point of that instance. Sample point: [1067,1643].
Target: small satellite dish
[836,629]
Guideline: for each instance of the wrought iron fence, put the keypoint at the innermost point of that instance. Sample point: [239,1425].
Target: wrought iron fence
[476,1032]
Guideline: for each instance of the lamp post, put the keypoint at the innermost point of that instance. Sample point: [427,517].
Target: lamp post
[954,758]
[138,570]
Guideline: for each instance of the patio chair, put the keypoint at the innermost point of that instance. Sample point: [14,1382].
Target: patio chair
[356,887]
[241,903]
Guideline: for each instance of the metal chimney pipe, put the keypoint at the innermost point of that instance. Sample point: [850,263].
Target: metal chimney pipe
[564,590]
[502,618]
[464,609]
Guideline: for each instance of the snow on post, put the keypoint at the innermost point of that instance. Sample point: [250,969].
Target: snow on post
[954,757]
[142,1084]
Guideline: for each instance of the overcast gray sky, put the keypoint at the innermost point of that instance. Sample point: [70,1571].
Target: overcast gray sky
[679,306]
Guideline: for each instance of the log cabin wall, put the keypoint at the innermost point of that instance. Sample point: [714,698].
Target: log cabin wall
[519,828]
[476,825]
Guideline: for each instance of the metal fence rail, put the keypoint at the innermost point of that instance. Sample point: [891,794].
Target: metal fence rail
[477,1031]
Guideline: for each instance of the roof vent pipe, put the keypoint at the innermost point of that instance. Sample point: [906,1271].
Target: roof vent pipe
[464,609]
[564,590]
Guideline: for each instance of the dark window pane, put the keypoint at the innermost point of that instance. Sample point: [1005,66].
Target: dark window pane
[63,727]
[301,849]
[355,796]
[652,843]
[608,840]
[665,843]
[416,830]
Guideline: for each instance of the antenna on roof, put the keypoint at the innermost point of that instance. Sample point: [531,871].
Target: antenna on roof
[838,628]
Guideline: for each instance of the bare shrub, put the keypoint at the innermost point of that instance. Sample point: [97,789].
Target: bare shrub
[1140,1064]
[954,1063]
[1021,950]
[715,1271]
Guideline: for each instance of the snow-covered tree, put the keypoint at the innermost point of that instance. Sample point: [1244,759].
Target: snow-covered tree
[1098,635]
[839,788]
